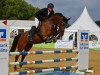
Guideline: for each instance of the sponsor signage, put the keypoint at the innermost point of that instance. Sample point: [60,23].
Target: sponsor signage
[4,49]
[83,47]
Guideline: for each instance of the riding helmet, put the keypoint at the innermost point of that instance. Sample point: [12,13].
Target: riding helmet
[50,5]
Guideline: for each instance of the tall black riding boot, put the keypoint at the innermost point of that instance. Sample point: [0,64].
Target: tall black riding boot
[32,32]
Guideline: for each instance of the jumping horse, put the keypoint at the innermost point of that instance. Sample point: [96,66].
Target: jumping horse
[51,28]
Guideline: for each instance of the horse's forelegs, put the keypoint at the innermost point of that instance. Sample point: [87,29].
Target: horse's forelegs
[23,57]
[16,59]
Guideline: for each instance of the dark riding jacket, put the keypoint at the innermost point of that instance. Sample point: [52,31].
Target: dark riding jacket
[43,14]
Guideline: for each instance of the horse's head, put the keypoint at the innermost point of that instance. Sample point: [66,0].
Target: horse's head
[53,27]
[65,20]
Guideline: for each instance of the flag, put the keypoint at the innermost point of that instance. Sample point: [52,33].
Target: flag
[5,22]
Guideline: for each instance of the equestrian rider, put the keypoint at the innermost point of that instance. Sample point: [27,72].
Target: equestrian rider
[39,16]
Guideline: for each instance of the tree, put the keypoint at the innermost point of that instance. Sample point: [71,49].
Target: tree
[16,9]
[1,6]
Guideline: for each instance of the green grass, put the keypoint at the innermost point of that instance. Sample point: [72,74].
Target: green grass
[51,45]
[44,45]
[12,39]
[94,48]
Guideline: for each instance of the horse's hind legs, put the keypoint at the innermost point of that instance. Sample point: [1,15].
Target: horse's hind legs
[16,59]
[23,57]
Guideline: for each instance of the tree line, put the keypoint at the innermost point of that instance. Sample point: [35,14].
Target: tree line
[16,9]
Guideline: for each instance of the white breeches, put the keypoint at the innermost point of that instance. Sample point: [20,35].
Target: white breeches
[36,22]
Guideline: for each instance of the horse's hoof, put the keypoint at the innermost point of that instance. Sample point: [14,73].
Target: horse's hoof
[15,68]
[20,66]
[48,41]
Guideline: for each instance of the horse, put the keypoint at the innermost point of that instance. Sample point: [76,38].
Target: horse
[49,29]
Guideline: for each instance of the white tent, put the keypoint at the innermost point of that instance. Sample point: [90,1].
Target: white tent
[84,22]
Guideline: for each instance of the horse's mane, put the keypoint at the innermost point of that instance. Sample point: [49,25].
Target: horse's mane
[56,14]
[64,18]
[59,14]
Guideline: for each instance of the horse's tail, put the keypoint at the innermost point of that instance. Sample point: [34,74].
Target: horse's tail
[14,44]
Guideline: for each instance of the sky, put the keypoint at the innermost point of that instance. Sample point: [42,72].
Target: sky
[71,8]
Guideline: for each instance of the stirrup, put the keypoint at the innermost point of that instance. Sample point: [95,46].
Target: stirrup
[28,35]
[30,39]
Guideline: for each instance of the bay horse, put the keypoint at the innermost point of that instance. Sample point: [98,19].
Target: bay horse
[49,29]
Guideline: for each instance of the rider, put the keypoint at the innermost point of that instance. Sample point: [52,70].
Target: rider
[41,15]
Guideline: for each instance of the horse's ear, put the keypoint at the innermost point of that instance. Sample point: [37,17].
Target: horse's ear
[68,19]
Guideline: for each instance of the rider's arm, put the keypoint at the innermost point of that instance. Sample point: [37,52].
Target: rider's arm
[52,13]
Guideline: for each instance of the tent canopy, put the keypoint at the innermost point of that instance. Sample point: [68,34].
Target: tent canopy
[84,22]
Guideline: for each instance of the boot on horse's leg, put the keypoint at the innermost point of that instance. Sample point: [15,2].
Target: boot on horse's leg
[31,33]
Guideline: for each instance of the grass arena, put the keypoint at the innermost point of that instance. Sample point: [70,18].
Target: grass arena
[94,61]
[45,57]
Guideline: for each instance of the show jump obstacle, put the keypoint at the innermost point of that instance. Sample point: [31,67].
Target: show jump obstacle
[82,58]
